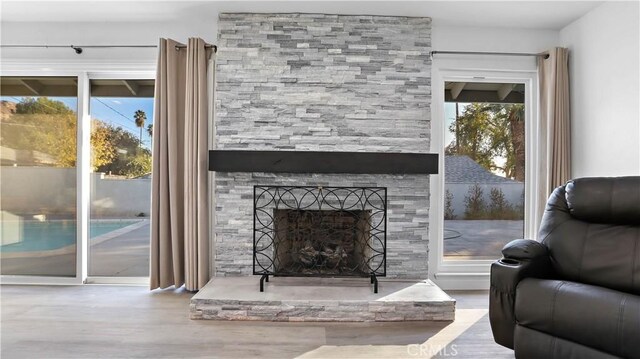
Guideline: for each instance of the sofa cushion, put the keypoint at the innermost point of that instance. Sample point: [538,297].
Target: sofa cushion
[585,243]
[597,317]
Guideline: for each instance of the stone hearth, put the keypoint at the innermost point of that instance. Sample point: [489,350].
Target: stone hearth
[321,300]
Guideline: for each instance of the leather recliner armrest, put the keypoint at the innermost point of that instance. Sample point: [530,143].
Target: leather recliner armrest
[524,249]
[523,258]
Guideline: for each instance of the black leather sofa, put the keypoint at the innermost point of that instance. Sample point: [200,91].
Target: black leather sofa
[576,293]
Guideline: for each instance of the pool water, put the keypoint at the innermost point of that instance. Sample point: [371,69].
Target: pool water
[49,235]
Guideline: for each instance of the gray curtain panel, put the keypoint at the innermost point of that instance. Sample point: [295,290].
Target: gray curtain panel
[554,142]
[179,198]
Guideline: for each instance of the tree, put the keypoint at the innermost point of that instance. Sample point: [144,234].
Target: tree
[515,116]
[49,127]
[45,128]
[42,105]
[150,130]
[485,132]
[139,165]
[103,151]
[130,158]
[474,204]
[479,135]
[448,206]
[140,117]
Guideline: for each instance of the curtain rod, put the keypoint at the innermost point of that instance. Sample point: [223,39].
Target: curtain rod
[78,48]
[546,56]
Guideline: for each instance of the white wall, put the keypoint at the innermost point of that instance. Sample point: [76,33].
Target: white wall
[143,33]
[120,198]
[98,33]
[29,191]
[604,62]
[490,39]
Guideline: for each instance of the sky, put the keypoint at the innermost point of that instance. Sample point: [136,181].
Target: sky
[117,111]
[449,118]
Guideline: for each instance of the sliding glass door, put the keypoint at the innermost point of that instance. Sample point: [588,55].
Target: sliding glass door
[120,199]
[38,152]
[75,176]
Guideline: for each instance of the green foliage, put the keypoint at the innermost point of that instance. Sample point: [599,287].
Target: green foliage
[138,165]
[130,159]
[43,125]
[42,106]
[500,208]
[486,131]
[498,203]
[475,206]
[140,117]
[497,209]
[49,127]
[102,150]
[448,205]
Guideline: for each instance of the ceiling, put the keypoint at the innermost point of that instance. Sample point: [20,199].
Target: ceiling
[552,15]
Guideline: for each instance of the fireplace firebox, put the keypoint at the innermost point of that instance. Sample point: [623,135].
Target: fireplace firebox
[319,232]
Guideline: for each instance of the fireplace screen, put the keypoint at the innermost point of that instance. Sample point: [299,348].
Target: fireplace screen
[319,231]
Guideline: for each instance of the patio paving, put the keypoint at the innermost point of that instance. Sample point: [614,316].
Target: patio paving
[479,239]
[126,255]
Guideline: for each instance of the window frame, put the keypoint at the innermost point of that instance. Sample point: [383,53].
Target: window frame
[474,274]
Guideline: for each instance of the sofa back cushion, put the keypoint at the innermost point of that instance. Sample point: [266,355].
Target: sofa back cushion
[592,229]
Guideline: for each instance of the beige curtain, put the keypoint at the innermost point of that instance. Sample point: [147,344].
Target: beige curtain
[554,142]
[179,201]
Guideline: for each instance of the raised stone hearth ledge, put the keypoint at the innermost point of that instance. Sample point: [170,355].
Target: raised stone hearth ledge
[321,300]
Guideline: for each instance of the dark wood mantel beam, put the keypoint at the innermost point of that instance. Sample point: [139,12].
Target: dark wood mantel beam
[323,162]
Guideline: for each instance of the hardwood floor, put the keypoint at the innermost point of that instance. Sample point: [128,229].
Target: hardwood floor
[130,322]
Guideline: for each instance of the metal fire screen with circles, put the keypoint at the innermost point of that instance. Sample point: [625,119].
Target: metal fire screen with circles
[319,232]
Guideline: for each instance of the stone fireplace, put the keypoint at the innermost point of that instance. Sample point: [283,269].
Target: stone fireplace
[327,84]
[317,82]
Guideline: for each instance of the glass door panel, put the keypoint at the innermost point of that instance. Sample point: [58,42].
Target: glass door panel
[484,168]
[38,136]
[121,133]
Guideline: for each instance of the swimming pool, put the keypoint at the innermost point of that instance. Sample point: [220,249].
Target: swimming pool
[31,236]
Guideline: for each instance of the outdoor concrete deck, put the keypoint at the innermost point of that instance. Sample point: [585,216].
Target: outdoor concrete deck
[481,239]
[126,255]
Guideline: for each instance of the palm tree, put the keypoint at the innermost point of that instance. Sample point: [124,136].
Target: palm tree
[150,130]
[140,117]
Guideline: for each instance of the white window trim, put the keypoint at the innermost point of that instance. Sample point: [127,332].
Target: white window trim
[84,72]
[474,274]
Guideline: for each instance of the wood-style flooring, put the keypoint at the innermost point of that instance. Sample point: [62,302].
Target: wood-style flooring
[94,321]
